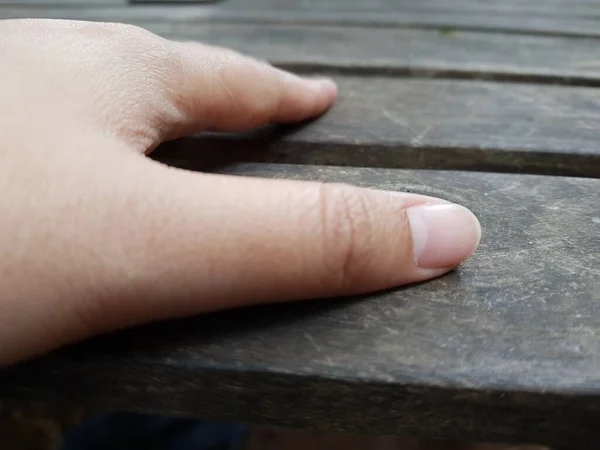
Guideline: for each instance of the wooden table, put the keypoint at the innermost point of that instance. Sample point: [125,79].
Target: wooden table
[494,105]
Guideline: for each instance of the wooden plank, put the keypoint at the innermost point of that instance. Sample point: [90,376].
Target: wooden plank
[514,7]
[62,3]
[505,349]
[405,51]
[172,2]
[428,123]
[97,3]
[535,8]
[560,7]
[576,19]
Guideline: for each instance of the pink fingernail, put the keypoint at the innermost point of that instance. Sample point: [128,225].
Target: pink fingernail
[443,235]
[325,84]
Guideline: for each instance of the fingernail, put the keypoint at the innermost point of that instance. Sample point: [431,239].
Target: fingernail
[324,84]
[443,235]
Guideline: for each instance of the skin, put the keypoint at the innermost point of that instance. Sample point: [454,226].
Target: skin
[95,236]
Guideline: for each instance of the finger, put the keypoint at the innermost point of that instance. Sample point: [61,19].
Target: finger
[198,243]
[221,90]
[158,242]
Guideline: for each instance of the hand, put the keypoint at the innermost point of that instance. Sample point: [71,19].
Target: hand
[95,236]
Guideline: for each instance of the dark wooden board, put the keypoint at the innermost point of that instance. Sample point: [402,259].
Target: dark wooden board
[533,8]
[401,122]
[404,50]
[172,2]
[506,348]
[545,18]
[538,7]
[408,120]
[98,3]
[423,52]
[62,3]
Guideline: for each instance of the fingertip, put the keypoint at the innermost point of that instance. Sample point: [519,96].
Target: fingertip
[328,88]
[329,92]
[229,91]
[303,98]
[325,90]
[443,235]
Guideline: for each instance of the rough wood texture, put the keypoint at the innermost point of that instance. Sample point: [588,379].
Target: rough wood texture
[443,124]
[505,349]
[172,2]
[397,51]
[392,51]
[402,102]
[558,18]
[70,3]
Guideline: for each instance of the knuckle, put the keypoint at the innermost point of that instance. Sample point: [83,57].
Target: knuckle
[145,63]
[118,34]
[115,28]
[138,44]
[347,228]
[147,55]
[119,31]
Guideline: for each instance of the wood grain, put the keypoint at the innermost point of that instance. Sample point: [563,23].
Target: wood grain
[505,349]
[401,51]
[415,98]
[577,18]
[416,52]
[400,122]
[63,3]
[560,8]
[172,2]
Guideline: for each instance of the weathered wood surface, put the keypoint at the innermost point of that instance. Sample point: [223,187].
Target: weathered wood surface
[444,124]
[561,18]
[392,51]
[414,98]
[506,348]
[62,3]
[402,51]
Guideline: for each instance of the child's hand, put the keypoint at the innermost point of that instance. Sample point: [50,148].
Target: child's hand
[95,236]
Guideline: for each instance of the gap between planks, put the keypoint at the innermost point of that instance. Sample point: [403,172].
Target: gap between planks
[424,124]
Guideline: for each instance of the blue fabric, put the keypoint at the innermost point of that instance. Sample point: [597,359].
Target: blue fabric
[129,431]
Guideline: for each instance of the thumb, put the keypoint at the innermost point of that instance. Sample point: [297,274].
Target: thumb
[223,241]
